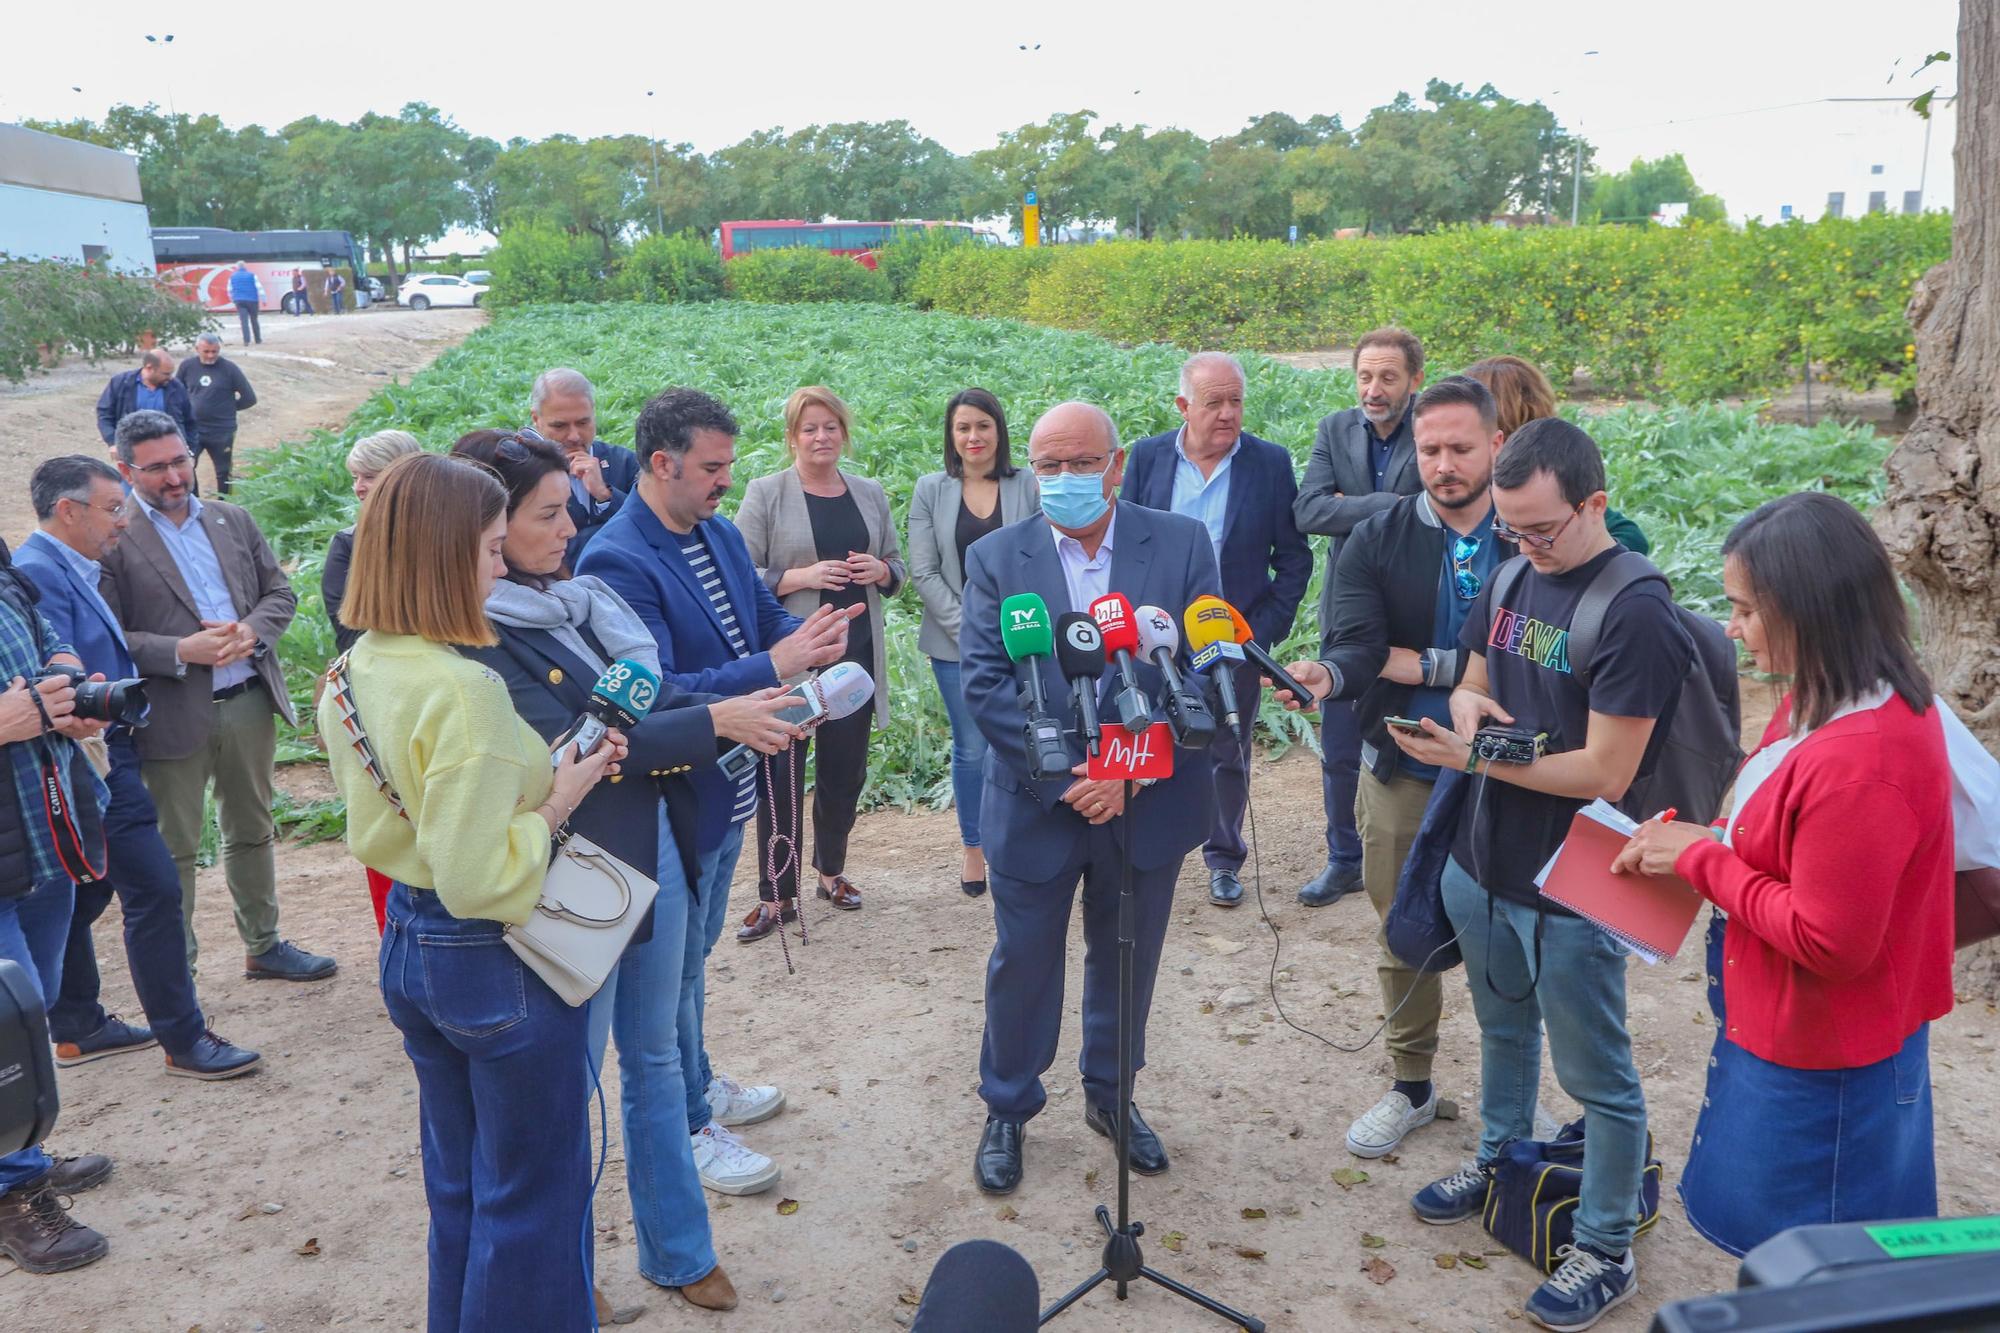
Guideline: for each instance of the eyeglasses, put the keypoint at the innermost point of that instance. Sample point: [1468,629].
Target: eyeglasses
[1464,579]
[1534,539]
[119,510]
[1054,467]
[185,463]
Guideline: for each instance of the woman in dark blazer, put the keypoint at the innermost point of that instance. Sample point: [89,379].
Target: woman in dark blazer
[557,634]
[822,536]
[979,491]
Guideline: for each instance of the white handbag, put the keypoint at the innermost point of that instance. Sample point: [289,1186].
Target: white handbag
[592,902]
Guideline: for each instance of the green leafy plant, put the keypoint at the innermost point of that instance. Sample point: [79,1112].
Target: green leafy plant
[794,275]
[49,308]
[1685,473]
[538,262]
[681,267]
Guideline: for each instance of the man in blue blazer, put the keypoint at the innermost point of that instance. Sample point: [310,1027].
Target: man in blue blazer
[152,385]
[1241,489]
[81,508]
[685,570]
[1045,836]
[562,409]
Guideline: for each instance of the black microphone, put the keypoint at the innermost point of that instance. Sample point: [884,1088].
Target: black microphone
[1080,655]
[621,696]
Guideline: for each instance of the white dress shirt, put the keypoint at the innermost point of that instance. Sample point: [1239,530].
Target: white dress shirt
[1089,577]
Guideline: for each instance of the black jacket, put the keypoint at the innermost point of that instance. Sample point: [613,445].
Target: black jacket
[333,586]
[1384,595]
[216,402]
[550,686]
[121,398]
[621,474]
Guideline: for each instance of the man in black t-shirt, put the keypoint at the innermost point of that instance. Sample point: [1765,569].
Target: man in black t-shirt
[1528,964]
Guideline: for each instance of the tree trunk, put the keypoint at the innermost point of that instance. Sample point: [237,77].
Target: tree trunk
[1941,519]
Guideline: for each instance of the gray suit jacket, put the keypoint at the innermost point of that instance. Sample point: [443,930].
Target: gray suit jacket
[1339,487]
[778,532]
[145,590]
[934,566]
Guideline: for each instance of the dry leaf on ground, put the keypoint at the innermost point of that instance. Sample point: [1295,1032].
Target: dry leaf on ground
[1378,1269]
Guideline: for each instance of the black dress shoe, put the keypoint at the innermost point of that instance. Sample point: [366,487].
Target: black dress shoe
[997,1168]
[1145,1152]
[972,887]
[74,1175]
[1224,889]
[1331,885]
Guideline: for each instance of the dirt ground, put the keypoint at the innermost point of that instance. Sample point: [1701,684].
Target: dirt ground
[309,373]
[293,1199]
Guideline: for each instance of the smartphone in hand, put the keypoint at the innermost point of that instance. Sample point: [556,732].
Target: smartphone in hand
[1409,724]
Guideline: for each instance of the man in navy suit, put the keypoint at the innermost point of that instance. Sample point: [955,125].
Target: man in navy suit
[1048,835]
[562,408]
[1241,489]
[685,570]
[82,510]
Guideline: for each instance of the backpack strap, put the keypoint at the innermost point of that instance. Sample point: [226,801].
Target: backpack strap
[1506,581]
[1586,623]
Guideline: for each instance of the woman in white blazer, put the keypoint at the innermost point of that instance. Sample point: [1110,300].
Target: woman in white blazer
[979,491]
[821,536]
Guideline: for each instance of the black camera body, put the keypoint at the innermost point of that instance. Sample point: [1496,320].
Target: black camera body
[103,700]
[1509,745]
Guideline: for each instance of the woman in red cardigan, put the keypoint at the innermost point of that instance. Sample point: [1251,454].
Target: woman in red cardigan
[1830,947]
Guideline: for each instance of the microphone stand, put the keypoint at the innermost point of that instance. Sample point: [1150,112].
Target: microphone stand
[1123,1263]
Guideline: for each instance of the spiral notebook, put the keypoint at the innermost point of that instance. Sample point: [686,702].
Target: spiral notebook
[1648,914]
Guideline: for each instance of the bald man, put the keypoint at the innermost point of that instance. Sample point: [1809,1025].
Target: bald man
[1044,837]
[152,387]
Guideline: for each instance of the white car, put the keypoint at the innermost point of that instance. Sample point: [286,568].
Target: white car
[421,291]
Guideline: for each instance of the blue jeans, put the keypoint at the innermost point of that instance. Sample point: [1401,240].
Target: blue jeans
[142,873]
[641,1003]
[1340,782]
[1580,996]
[968,751]
[32,930]
[717,869]
[506,1138]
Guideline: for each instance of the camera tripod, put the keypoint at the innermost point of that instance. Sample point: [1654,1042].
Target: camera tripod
[1123,1263]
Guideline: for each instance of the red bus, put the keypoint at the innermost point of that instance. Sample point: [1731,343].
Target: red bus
[856,240]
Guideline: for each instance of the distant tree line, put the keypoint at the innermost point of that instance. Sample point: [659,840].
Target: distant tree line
[399,182]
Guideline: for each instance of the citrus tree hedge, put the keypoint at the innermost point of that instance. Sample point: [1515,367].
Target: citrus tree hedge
[49,308]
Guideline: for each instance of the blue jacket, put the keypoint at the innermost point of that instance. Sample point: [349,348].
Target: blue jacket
[243,286]
[1265,562]
[550,686]
[1160,559]
[121,398]
[80,616]
[621,473]
[642,562]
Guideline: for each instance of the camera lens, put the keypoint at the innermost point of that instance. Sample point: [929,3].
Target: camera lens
[111,701]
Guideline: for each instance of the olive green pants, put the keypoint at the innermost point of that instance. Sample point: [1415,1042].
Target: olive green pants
[1388,816]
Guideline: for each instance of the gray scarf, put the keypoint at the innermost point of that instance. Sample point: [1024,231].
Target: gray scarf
[563,608]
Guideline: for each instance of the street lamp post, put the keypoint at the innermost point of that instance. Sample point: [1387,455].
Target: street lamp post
[659,214]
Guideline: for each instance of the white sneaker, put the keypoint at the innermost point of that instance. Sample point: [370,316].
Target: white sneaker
[728,1166]
[731,1103]
[1382,1126]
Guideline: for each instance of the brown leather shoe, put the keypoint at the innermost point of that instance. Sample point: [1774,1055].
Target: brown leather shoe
[843,894]
[761,922]
[608,1314]
[713,1292]
[37,1232]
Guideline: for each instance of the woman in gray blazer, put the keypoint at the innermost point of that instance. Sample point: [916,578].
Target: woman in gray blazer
[821,536]
[979,491]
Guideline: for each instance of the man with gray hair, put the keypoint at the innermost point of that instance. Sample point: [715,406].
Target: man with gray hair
[218,390]
[1045,836]
[153,388]
[1241,488]
[562,408]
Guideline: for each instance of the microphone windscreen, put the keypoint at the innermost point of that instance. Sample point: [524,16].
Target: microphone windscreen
[1024,626]
[846,687]
[629,687]
[1209,620]
[1079,647]
[1113,614]
[1157,630]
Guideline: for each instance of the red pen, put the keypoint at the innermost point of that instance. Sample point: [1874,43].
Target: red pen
[1666,816]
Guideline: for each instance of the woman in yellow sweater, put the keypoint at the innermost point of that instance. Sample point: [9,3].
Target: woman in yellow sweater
[499,1056]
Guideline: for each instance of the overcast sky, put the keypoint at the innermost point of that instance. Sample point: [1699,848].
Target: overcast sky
[1698,75]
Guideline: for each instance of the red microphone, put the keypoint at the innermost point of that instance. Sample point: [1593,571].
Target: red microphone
[1120,630]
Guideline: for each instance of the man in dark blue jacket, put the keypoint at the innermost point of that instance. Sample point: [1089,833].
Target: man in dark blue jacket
[248,295]
[83,512]
[685,570]
[1241,488]
[152,386]
[562,408]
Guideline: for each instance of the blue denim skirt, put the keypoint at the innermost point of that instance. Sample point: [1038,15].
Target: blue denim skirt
[1776,1147]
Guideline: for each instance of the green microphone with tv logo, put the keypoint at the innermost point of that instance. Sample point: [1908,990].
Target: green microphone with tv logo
[1028,635]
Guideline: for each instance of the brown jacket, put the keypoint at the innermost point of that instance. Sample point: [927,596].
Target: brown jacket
[151,600]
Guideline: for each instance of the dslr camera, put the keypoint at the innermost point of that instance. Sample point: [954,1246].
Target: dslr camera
[103,700]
